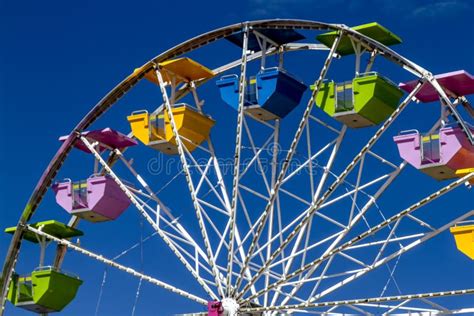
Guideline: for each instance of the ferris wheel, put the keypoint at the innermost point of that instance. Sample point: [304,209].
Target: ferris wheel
[307,198]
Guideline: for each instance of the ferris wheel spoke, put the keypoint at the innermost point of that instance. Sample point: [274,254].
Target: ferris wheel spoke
[382,241]
[345,229]
[382,309]
[367,206]
[377,262]
[323,123]
[356,188]
[288,295]
[260,191]
[288,228]
[189,180]
[147,217]
[371,202]
[309,154]
[116,265]
[261,170]
[240,246]
[303,280]
[310,247]
[311,210]
[198,265]
[178,228]
[225,201]
[369,232]
[223,198]
[359,310]
[338,235]
[263,219]
[204,178]
[421,222]
[203,172]
[216,230]
[390,257]
[349,193]
[362,301]
[311,224]
[321,278]
[257,154]
[410,310]
[254,267]
[435,305]
[322,181]
[238,147]
[249,222]
[274,170]
[307,162]
[387,240]
[174,224]
[395,308]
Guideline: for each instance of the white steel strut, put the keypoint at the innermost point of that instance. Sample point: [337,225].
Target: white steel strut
[316,204]
[238,147]
[369,232]
[284,168]
[359,301]
[116,265]
[139,206]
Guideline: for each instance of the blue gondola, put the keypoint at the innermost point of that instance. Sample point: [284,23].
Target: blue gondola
[272,94]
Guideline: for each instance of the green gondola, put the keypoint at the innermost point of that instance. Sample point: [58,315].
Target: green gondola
[367,100]
[372,30]
[46,289]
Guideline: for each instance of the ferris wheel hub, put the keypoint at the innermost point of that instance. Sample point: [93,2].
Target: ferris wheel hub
[230,306]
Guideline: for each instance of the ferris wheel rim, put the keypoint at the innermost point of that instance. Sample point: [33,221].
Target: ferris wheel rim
[129,82]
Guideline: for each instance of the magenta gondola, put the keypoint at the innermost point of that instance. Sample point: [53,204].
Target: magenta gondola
[455,84]
[106,138]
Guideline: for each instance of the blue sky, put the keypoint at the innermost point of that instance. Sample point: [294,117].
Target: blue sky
[59,58]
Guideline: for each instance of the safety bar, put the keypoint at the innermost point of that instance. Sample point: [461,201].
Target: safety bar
[94,175]
[409,131]
[371,73]
[229,76]
[139,112]
[51,268]
[465,222]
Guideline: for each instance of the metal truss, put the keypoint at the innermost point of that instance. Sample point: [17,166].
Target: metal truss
[272,246]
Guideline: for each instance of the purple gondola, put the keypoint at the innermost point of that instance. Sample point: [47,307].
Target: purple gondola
[440,154]
[96,199]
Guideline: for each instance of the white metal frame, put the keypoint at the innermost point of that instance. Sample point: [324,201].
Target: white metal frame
[259,255]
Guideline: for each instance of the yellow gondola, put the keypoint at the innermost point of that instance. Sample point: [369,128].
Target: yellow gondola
[154,130]
[465,172]
[464,237]
[180,70]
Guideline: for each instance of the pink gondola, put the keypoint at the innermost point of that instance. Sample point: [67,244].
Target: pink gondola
[440,154]
[96,199]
